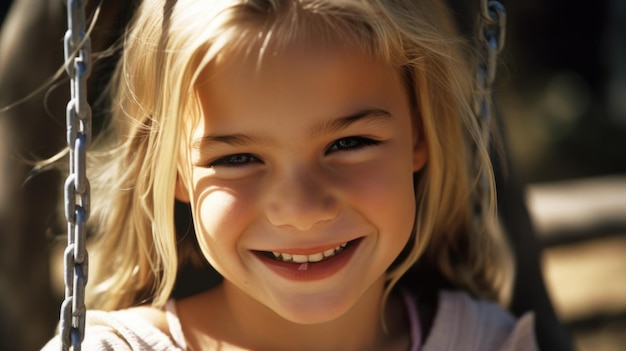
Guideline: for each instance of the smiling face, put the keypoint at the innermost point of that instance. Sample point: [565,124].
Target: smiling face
[301,184]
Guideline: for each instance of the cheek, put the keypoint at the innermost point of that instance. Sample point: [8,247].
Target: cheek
[216,212]
[383,192]
[220,213]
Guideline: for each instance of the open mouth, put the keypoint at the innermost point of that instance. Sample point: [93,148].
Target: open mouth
[310,258]
[310,266]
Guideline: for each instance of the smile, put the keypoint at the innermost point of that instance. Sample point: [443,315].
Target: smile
[305,265]
[316,257]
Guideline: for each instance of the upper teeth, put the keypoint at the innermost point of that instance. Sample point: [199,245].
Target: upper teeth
[316,257]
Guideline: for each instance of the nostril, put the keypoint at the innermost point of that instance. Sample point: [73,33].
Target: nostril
[302,214]
[300,198]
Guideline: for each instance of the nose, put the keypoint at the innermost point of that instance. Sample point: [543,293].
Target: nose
[301,200]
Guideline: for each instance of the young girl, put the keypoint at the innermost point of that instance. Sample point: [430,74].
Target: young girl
[318,155]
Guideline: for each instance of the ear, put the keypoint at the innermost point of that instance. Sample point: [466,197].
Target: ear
[181,193]
[420,152]
[420,148]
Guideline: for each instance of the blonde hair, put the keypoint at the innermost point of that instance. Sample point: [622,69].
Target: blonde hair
[153,92]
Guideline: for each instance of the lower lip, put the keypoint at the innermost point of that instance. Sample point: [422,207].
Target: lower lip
[314,270]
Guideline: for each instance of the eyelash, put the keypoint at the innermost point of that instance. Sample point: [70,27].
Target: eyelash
[356,143]
[361,142]
[234,160]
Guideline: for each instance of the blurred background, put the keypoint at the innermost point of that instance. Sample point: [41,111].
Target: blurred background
[561,94]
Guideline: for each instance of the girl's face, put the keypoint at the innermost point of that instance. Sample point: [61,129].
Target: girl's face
[302,188]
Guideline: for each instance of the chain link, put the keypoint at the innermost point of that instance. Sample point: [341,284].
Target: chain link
[77,191]
[490,40]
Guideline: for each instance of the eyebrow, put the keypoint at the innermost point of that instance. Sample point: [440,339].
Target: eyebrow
[367,115]
[361,116]
[231,139]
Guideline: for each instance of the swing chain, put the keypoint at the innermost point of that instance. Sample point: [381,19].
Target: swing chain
[491,31]
[77,53]
[491,36]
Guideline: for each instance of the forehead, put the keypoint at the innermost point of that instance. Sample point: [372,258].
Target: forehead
[263,61]
[303,82]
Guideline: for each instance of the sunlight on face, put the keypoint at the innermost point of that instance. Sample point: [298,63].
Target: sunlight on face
[302,189]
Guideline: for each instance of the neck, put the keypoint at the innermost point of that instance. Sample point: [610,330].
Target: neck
[245,323]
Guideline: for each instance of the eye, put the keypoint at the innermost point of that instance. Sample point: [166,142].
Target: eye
[351,144]
[237,160]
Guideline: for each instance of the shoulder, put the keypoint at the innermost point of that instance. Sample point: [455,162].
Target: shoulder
[134,329]
[464,323]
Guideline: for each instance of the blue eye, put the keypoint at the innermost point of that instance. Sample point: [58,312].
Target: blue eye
[351,143]
[237,160]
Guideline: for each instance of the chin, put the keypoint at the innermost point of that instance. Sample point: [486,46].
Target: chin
[314,310]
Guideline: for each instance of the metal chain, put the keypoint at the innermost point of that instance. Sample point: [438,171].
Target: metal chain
[77,190]
[490,36]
